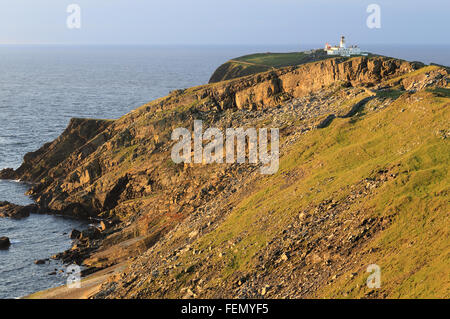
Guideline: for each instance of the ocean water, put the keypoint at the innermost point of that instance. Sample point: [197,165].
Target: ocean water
[42,87]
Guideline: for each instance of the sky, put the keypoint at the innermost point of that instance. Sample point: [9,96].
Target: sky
[224,22]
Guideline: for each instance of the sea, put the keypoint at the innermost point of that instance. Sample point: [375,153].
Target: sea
[43,86]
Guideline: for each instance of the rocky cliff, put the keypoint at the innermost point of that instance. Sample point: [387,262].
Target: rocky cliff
[191,230]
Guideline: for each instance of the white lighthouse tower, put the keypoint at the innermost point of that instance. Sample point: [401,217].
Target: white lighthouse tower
[342,45]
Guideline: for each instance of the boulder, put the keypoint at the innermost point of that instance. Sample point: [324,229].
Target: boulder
[4,243]
[75,234]
[16,211]
[91,233]
[103,226]
[106,224]
[25,211]
[7,173]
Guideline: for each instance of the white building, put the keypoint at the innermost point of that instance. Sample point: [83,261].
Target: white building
[342,49]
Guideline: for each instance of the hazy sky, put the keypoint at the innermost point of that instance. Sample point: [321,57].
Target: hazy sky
[224,22]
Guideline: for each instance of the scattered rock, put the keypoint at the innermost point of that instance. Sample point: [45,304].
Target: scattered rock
[75,234]
[193,234]
[4,243]
[91,233]
[264,290]
[103,226]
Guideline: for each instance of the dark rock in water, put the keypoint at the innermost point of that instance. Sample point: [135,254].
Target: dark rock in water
[40,261]
[27,210]
[4,243]
[75,234]
[7,173]
[16,211]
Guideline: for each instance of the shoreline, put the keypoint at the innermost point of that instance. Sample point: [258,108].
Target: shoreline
[21,212]
[90,285]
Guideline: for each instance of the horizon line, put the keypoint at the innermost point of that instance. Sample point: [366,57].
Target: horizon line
[208,44]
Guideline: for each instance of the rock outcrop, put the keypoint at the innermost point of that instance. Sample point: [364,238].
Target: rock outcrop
[271,88]
[4,243]
[79,132]
[7,173]
[16,211]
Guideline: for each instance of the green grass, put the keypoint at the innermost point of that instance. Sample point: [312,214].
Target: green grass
[393,94]
[278,60]
[274,59]
[441,92]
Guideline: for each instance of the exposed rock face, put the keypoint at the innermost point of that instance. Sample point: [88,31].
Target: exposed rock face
[4,243]
[16,211]
[79,133]
[269,89]
[231,70]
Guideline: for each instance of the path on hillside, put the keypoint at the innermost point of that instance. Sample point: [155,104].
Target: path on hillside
[253,64]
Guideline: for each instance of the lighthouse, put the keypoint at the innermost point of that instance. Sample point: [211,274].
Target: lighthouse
[342,49]
[342,45]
